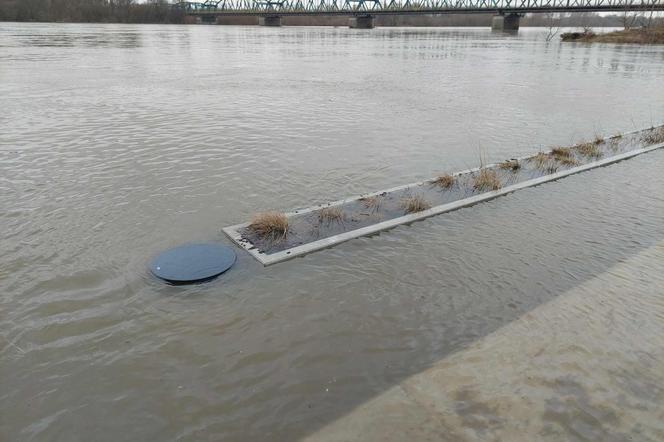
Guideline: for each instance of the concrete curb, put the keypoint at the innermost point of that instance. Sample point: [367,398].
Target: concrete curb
[268,259]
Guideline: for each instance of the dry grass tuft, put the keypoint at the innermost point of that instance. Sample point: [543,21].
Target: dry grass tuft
[487,179]
[564,156]
[654,136]
[512,165]
[541,160]
[371,202]
[586,35]
[330,214]
[561,152]
[588,150]
[269,225]
[444,181]
[567,161]
[598,139]
[414,204]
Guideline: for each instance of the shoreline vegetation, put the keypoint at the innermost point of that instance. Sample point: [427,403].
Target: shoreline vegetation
[633,36]
[90,11]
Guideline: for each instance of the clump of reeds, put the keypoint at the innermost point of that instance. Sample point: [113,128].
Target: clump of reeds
[586,35]
[541,160]
[512,165]
[654,136]
[588,150]
[598,139]
[486,179]
[272,225]
[561,152]
[444,181]
[414,204]
[371,202]
[330,214]
[567,161]
[564,156]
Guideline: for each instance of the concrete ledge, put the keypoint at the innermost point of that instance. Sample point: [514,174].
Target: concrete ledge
[268,259]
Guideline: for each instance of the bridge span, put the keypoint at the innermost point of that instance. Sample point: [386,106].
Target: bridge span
[361,12]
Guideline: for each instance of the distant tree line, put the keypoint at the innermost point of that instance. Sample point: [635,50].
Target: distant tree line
[118,11]
[626,19]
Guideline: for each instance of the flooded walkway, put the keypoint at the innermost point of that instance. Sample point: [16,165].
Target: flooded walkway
[585,366]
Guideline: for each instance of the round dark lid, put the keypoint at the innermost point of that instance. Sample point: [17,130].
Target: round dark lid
[192,263]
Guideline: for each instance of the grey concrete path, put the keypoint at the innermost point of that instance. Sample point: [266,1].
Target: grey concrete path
[587,366]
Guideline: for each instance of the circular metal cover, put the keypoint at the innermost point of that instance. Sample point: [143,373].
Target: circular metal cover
[192,263]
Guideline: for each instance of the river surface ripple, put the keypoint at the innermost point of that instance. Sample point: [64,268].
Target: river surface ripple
[119,141]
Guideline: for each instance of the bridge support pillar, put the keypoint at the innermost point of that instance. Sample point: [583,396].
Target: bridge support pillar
[270,20]
[509,22]
[361,22]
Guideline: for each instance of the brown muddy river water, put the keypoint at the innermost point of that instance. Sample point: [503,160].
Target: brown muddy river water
[118,142]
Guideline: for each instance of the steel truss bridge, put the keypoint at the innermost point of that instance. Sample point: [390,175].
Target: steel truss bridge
[407,7]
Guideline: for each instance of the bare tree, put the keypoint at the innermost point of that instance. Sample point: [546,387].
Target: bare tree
[552,25]
[628,20]
[652,11]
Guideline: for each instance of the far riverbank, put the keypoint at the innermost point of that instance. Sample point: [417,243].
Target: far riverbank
[634,36]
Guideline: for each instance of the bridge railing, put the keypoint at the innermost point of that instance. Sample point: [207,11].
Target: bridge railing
[321,6]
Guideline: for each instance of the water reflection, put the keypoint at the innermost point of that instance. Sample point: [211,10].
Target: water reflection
[75,39]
